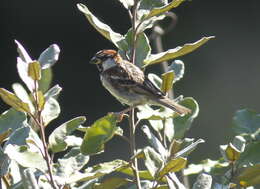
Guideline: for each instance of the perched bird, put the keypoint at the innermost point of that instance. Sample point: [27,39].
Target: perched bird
[128,84]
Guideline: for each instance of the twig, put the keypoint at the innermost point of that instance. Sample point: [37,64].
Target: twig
[39,121]
[132,148]
[131,113]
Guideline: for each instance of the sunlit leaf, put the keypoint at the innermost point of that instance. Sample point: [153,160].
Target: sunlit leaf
[188,149]
[13,101]
[178,67]
[98,134]
[34,70]
[49,56]
[177,52]
[11,119]
[156,144]
[127,3]
[53,92]
[249,176]
[29,179]
[17,149]
[169,129]
[22,52]
[22,94]
[51,111]
[41,100]
[182,124]
[174,165]
[97,171]
[204,181]
[22,66]
[232,151]
[206,165]
[155,79]
[111,183]
[160,10]
[167,81]
[57,139]
[153,161]
[143,48]
[116,38]
[71,163]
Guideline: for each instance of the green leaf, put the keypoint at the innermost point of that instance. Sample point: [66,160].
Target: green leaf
[163,9]
[111,183]
[127,3]
[251,155]
[177,52]
[49,56]
[167,81]
[97,171]
[53,92]
[22,94]
[13,101]
[182,124]
[174,165]
[144,174]
[204,181]
[249,176]
[98,134]
[246,121]
[143,49]
[178,68]
[11,119]
[153,161]
[45,82]
[51,111]
[72,162]
[41,100]
[156,144]
[34,70]
[232,151]
[116,38]
[57,139]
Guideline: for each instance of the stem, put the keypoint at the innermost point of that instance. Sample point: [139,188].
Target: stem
[132,124]
[39,121]
[46,154]
[133,149]
[134,29]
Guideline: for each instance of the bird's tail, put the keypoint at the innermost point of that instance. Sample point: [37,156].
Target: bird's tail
[181,110]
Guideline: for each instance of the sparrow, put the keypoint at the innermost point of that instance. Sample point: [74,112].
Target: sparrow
[128,83]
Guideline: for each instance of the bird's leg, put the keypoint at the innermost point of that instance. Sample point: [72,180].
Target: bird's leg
[123,113]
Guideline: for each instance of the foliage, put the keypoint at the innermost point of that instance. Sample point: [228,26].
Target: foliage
[25,154]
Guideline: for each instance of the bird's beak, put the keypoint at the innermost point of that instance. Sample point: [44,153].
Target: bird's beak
[94,60]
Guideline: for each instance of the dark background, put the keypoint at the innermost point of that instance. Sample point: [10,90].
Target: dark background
[223,75]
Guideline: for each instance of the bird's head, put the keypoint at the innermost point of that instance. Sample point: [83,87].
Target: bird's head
[105,59]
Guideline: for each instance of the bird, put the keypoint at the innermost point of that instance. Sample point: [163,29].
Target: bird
[128,83]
